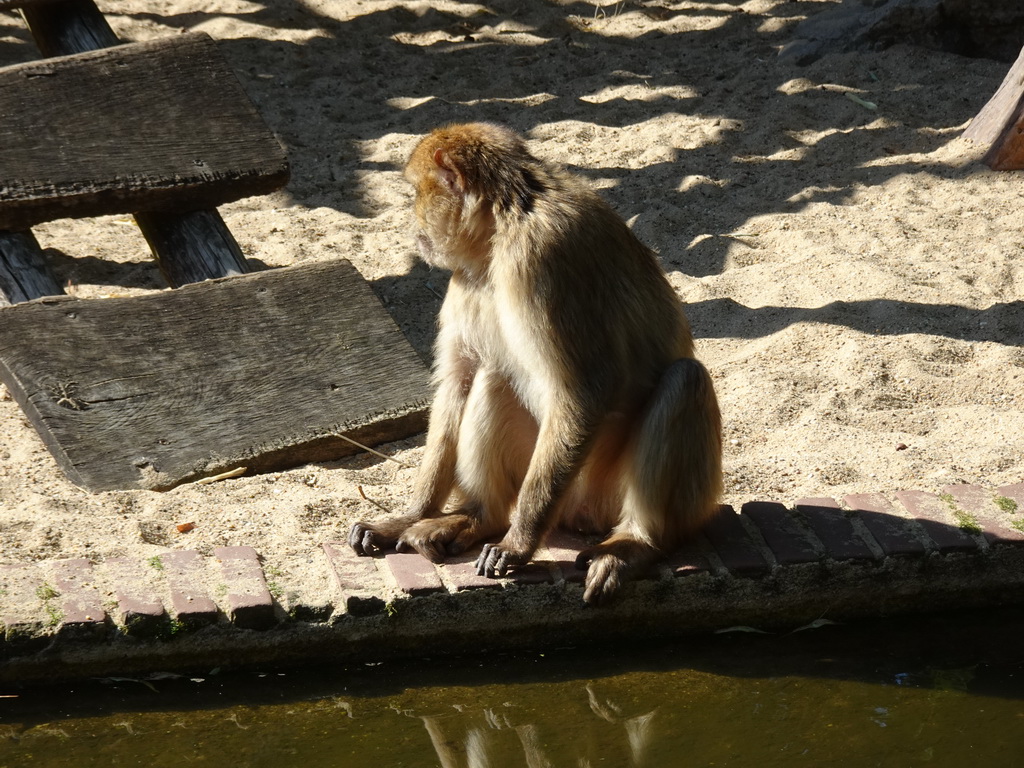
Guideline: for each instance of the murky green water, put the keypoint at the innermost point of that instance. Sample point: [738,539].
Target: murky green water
[898,693]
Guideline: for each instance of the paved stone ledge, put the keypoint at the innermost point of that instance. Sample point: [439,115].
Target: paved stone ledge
[770,565]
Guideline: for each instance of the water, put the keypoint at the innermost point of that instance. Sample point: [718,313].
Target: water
[923,691]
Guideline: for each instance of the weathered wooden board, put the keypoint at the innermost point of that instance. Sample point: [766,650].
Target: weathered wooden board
[1000,124]
[159,125]
[258,371]
[190,246]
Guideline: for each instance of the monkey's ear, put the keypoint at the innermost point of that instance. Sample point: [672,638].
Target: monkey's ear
[447,172]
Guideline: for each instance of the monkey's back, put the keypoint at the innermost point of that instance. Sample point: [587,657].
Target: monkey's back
[575,260]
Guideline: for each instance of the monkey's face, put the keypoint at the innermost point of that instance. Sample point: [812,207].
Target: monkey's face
[437,213]
[454,225]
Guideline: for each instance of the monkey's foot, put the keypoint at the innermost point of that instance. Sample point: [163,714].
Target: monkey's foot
[437,537]
[373,538]
[496,559]
[368,539]
[610,564]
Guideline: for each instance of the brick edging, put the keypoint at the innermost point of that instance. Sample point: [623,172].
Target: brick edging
[769,562]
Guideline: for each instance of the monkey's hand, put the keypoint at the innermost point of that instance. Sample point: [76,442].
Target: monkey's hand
[496,559]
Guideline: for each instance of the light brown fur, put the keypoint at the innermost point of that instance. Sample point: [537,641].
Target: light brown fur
[567,390]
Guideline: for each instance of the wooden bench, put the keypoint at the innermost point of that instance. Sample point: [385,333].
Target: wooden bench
[162,129]
[160,125]
[256,372]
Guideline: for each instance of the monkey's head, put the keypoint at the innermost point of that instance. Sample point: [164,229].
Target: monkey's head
[466,177]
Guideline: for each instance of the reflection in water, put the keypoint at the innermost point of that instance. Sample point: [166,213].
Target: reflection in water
[482,748]
[917,692]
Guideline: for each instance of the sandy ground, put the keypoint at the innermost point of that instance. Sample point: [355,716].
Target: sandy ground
[854,278]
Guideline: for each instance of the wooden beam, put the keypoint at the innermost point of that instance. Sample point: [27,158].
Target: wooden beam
[64,26]
[262,371]
[1000,124]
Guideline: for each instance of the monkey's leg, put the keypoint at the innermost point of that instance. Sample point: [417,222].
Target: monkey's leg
[672,480]
[496,439]
[436,477]
[563,439]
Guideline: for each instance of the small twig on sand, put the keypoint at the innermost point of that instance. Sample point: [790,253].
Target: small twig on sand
[222,476]
[375,503]
[370,450]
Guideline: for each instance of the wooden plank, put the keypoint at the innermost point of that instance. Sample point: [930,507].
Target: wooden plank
[162,125]
[260,371]
[1000,124]
[24,273]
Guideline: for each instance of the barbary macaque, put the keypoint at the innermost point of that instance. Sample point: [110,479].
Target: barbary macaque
[567,390]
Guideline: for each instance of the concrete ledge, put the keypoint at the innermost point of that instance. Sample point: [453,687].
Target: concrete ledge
[769,566]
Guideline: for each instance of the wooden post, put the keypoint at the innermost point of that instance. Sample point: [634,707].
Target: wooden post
[202,235]
[1000,124]
[24,274]
[68,26]
[58,28]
